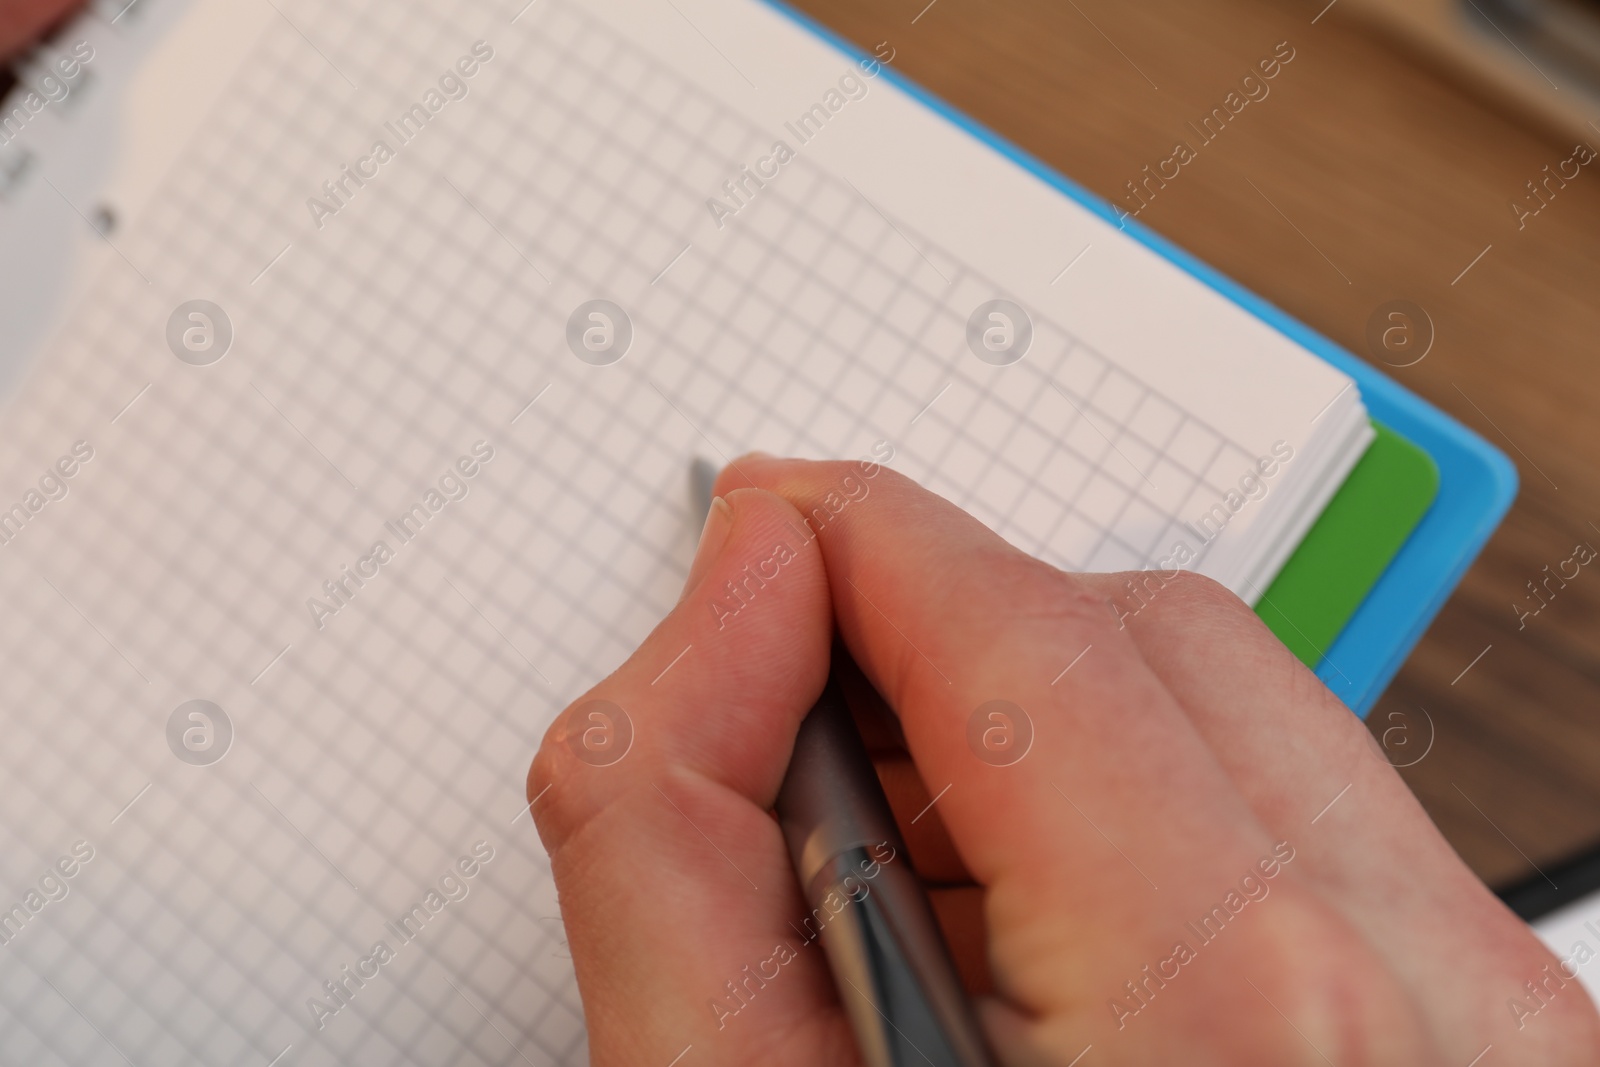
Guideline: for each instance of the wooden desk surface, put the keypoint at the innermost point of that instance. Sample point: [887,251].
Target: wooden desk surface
[1386,178]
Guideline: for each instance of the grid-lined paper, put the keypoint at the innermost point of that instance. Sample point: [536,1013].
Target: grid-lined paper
[424,317]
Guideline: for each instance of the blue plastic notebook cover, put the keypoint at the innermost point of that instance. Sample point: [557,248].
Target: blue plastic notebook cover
[1477,482]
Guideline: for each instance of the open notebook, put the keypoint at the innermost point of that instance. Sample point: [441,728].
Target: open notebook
[403,366]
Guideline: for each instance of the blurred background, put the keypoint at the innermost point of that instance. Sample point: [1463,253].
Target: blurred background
[1392,150]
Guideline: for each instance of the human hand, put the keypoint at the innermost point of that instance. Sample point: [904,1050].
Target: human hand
[1189,783]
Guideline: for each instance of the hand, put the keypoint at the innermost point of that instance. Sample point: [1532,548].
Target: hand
[1146,879]
[24,21]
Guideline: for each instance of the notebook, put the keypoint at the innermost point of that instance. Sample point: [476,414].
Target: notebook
[346,440]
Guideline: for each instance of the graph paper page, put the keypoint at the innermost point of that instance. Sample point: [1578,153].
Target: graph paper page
[399,373]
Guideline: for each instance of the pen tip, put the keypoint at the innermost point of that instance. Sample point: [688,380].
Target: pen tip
[702,477]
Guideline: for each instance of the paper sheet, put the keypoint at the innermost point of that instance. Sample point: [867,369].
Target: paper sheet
[398,373]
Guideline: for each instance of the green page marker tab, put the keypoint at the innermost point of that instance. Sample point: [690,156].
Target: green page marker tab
[1349,545]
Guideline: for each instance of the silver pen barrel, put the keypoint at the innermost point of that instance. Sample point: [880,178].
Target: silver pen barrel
[894,973]
[890,964]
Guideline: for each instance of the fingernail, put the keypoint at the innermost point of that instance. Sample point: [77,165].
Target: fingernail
[719,521]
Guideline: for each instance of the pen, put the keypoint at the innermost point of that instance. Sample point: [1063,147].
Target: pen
[890,963]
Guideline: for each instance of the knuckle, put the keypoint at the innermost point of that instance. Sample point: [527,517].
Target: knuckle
[1549,1006]
[549,766]
[1179,599]
[1196,613]
[1572,1033]
[566,786]
[1333,986]
[1191,593]
[1014,588]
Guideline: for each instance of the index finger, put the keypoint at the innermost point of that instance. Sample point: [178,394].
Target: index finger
[1102,802]
[946,618]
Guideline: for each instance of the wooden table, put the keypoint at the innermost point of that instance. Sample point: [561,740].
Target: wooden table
[1365,176]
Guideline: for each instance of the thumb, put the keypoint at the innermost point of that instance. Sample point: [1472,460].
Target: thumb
[651,793]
